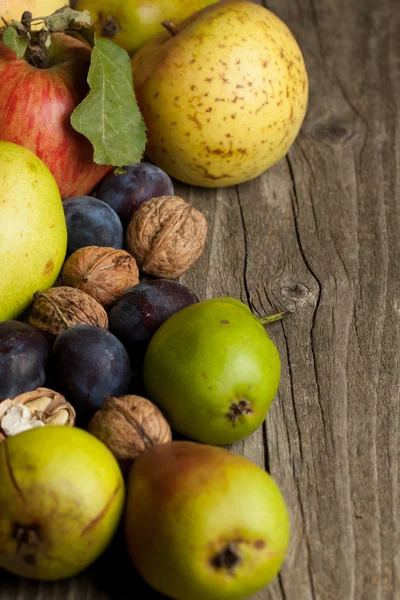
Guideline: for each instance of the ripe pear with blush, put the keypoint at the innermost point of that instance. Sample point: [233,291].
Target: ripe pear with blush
[204,523]
[223,95]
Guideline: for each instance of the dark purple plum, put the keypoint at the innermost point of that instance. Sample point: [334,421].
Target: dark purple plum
[138,313]
[91,222]
[24,353]
[87,364]
[126,192]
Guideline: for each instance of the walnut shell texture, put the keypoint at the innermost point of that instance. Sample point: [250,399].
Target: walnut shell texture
[59,308]
[166,236]
[128,425]
[103,273]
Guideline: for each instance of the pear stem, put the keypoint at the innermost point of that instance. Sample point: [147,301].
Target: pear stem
[171,27]
[273,318]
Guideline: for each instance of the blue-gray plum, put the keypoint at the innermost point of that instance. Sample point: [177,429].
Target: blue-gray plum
[91,222]
[139,312]
[24,354]
[126,192]
[87,365]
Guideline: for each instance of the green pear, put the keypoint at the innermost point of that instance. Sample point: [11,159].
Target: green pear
[33,232]
[213,370]
[203,523]
[61,498]
[132,23]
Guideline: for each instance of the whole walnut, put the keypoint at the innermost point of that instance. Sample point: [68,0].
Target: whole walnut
[59,308]
[128,425]
[103,273]
[166,236]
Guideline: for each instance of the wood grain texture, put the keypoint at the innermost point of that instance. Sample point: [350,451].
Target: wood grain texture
[319,234]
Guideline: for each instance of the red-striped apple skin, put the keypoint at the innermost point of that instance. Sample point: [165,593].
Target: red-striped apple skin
[36,107]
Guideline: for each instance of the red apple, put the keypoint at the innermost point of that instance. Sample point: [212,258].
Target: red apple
[35,110]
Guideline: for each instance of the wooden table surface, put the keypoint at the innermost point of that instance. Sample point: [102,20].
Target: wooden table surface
[319,234]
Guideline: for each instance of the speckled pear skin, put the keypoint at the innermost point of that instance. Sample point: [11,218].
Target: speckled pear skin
[204,523]
[213,370]
[225,98]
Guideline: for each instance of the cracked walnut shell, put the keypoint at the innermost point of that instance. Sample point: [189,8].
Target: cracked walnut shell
[128,425]
[166,236]
[103,273]
[59,308]
[32,409]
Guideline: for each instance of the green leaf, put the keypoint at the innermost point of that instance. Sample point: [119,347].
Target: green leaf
[63,17]
[15,42]
[109,116]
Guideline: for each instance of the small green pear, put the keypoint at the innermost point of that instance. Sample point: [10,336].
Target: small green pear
[202,523]
[61,497]
[213,370]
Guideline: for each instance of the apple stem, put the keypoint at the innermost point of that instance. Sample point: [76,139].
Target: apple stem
[171,27]
[273,318]
[37,52]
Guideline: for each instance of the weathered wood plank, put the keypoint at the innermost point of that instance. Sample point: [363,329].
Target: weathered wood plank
[318,233]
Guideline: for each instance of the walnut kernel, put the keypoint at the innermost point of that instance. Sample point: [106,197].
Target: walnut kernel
[34,409]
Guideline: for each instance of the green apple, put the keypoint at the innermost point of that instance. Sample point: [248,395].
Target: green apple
[33,233]
[132,23]
[213,370]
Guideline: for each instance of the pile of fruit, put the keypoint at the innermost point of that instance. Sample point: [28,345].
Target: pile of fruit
[104,356]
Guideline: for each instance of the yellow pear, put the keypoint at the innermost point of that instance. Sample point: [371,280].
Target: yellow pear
[33,232]
[13,9]
[61,498]
[224,98]
[132,23]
